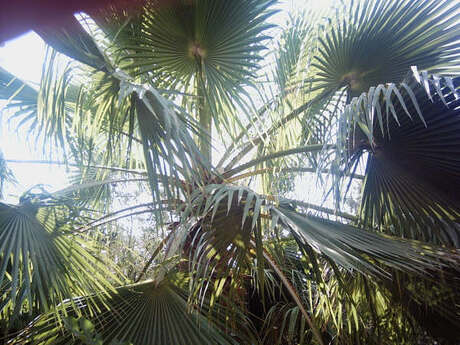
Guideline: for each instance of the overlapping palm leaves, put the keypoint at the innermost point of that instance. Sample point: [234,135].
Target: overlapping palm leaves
[366,44]
[346,245]
[339,318]
[12,87]
[104,117]
[229,225]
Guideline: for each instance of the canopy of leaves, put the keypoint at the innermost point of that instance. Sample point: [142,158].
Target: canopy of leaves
[261,247]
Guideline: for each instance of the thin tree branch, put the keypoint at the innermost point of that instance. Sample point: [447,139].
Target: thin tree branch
[155,253]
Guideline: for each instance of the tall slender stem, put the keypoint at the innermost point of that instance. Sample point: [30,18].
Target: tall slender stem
[292,291]
[204,116]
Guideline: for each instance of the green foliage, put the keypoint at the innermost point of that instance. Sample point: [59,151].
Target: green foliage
[140,314]
[364,98]
[375,42]
[407,131]
[42,262]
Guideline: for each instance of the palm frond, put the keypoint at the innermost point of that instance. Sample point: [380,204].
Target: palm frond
[42,265]
[101,112]
[72,40]
[376,42]
[13,88]
[211,42]
[355,248]
[412,174]
[290,53]
[141,314]
[348,246]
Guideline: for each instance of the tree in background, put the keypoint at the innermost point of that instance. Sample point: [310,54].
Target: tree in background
[195,104]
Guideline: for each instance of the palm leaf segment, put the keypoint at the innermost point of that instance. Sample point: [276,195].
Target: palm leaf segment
[412,176]
[40,265]
[375,42]
[141,314]
[13,88]
[346,245]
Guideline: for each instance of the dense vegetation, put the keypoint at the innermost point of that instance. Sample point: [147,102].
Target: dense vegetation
[189,130]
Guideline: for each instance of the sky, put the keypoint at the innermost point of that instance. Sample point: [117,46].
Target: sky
[24,57]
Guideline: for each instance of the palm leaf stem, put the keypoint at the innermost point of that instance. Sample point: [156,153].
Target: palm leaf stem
[204,116]
[154,255]
[289,170]
[292,292]
[116,213]
[258,140]
[302,149]
[48,162]
[87,228]
[78,187]
[322,209]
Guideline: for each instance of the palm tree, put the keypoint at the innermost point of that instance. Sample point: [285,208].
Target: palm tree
[235,258]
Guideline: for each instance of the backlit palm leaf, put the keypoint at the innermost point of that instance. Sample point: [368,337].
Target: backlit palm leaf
[72,40]
[214,43]
[375,42]
[13,88]
[355,248]
[41,265]
[348,246]
[108,113]
[369,43]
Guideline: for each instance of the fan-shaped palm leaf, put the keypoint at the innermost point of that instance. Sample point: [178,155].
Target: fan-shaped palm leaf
[356,248]
[141,314]
[211,40]
[412,174]
[375,42]
[41,265]
[366,44]
[348,246]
